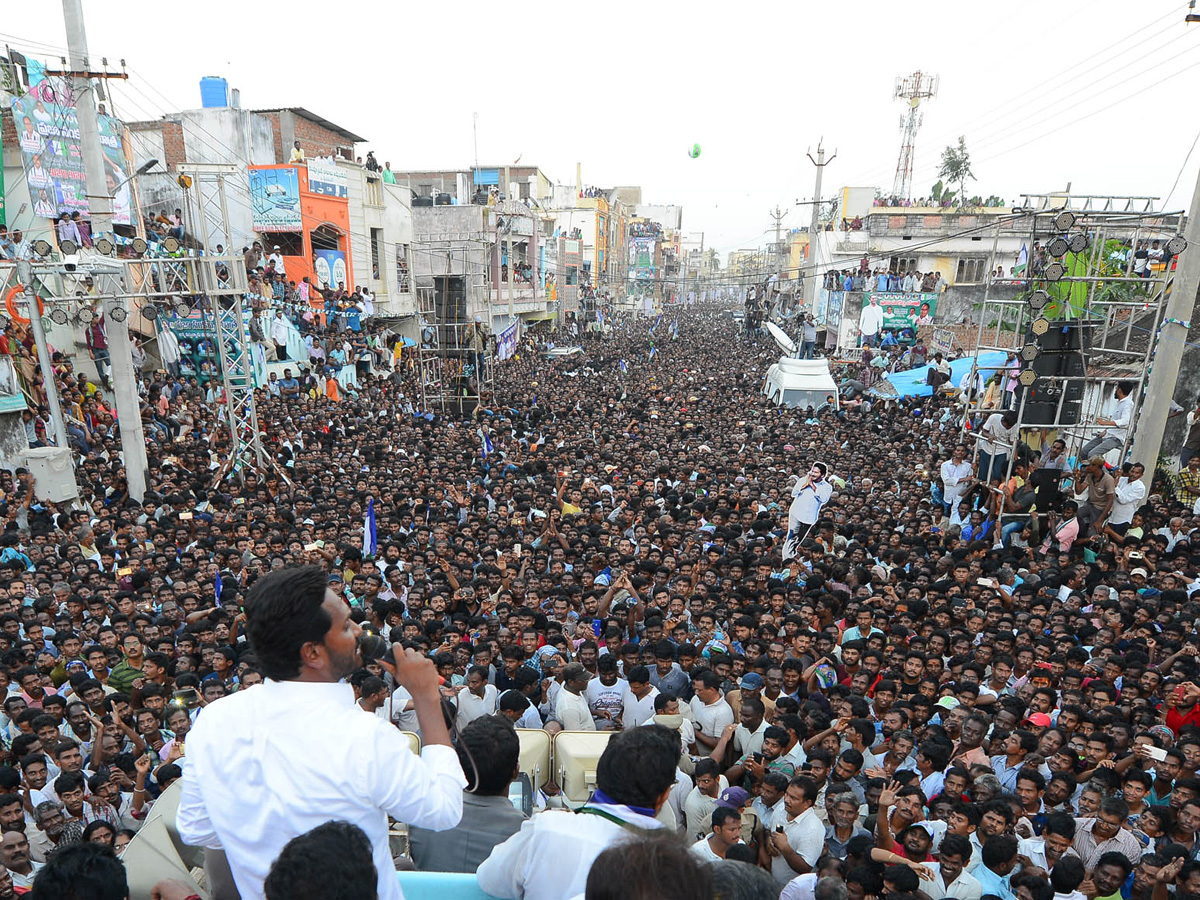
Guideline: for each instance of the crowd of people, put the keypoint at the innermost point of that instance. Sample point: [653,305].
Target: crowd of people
[883,279]
[920,701]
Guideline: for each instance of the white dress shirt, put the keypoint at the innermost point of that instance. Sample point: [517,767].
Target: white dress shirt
[806,835]
[550,857]
[1129,497]
[964,887]
[954,480]
[638,712]
[802,887]
[472,707]
[278,759]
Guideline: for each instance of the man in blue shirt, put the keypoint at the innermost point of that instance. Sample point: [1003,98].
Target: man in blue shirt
[289,386]
[999,859]
[1017,746]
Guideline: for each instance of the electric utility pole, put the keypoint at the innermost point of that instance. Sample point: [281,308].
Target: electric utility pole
[1168,354]
[778,216]
[813,279]
[133,440]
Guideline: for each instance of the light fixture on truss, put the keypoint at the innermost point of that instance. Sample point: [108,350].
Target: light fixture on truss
[1055,271]
[68,247]
[105,247]
[1058,247]
[150,311]
[42,248]
[1027,378]
[1177,244]
[1040,326]
[117,314]
[59,316]
[139,245]
[85,316]
[1029,352]
[1065,220]
[1038,301]
[171,244]
[1079,241]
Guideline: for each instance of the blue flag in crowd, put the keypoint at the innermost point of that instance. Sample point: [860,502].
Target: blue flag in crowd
[369,534]
[487,445]
[624,366]
[217,587]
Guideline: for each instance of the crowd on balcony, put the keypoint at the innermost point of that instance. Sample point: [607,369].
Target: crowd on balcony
[951,202]
[645,229]
[866,279]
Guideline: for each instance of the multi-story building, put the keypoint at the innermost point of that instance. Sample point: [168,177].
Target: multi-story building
[332,219]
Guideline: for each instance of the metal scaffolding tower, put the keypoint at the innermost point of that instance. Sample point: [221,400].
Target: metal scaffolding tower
[455,378]
[912,90]
[219,283]
[1082,320]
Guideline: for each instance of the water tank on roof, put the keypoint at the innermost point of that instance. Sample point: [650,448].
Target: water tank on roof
[214,92]
[443,199]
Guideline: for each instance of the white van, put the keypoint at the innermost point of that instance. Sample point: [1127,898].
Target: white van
[799,383]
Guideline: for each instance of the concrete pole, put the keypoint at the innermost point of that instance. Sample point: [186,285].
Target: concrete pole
[813,280]
[124,382]
[1168,354]
[43,351]
[99,202]
[133,441]
[512,263]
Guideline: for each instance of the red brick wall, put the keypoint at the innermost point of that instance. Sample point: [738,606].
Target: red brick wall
[280,156]
[316,140]
[172,137]
[173,146]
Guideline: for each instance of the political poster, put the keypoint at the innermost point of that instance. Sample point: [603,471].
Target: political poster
[48,135]
[833,317]
[330,267]
[506,342]
[641,259]
[901,310]
[275,199]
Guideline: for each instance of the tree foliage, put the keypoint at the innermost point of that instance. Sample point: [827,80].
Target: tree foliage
[956,166]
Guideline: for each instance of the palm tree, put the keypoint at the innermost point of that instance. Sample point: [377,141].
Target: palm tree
[956,167]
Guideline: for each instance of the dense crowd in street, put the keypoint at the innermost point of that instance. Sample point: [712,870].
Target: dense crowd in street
[939,680]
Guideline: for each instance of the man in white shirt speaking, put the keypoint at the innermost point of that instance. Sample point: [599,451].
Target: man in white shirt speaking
[276,760]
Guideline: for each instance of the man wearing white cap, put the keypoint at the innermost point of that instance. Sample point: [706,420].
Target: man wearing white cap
[277,258]
[808,496]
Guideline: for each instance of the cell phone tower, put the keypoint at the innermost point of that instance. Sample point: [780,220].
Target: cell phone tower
[912,89]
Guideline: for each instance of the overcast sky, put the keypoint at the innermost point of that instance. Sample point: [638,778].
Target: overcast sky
[626,88]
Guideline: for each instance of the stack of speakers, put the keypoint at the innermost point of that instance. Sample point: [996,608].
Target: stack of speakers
[1063,352]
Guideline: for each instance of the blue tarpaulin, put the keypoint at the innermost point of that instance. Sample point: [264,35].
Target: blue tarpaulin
[912,383]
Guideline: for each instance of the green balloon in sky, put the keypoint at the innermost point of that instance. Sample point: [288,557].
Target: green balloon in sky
[695,151]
